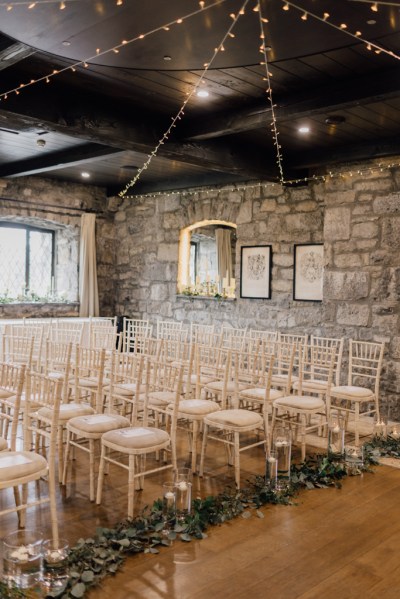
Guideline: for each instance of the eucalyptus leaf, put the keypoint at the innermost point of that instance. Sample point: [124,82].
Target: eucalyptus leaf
[246,515]
[185,537]
[78,590]
[87,576]
[260,514]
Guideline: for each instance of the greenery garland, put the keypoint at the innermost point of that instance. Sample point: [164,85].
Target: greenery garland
[93,559]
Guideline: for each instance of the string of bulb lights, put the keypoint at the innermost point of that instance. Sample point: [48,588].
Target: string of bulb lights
[115,49]
[273,124]
[287,4]
[367,170]
[181,111]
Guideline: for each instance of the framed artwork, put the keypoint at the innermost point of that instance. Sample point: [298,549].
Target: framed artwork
[308,272]
[255,271]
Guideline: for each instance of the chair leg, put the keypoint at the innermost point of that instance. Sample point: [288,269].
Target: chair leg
[91,468]
[195,431]
[237,459]
[357,423]
[60,439]
[303,425]
[101,475]
[66,457]
[53,505]
[131,485]
[203,449]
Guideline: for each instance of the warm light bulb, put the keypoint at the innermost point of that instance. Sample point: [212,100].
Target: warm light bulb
[374,7]
[202,93]
[304,129]
[32,5]
[326,15]
[304,16]
[62,5]
[285,6]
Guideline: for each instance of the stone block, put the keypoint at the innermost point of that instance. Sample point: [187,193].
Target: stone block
[346,285]
[366,230]
[304,222]
[387,204]
[282,259]
[306,206]
[348,260]
[282,285]
[268,205]
[159,291]
[167,252]
[337,223]
[391,232]
[353,314]
[344,196]
[384,184]
[245,214]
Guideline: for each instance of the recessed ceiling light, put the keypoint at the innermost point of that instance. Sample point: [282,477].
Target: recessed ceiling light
[66,43]
[202,93]
[304,129]
[167,58]
[371,22]
[335,119]
[85,175]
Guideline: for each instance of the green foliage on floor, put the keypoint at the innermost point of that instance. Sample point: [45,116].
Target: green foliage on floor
[92,559]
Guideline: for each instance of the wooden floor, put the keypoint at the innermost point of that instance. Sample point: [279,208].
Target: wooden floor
[334,544]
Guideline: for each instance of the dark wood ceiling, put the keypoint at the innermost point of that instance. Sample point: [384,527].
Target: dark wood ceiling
[107,116]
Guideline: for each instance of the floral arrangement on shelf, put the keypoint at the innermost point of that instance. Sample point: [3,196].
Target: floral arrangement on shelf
[30,297]
[209,288]
[94,558]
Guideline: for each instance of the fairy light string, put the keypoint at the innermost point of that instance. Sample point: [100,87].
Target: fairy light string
[273,124]
[342,28]
[181,110]
[85,62]
[330,175]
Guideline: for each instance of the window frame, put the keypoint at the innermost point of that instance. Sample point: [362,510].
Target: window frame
[28,229]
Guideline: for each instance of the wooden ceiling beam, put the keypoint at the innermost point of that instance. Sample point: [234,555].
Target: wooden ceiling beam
[82,154]
[14,53]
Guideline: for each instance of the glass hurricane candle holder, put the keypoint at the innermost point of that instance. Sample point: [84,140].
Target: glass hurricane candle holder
[354,458]
[169,505]
[380,427]
[336,426]
[22,558]
[55,564]
[183,490]
[394,431]
[271,471]
[282,444]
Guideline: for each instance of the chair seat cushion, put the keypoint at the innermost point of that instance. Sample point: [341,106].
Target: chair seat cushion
[124,389]
[67,411]
[203,379]
[235,418]
[18,464]
[258,393]
[195,407]
[282,379]
[136,437]
[352,392]
[97,423]
[312,385]
[300,403]
[161,398]
[3,444]
[6,393]
[218,386]
[56,376]
[90,382]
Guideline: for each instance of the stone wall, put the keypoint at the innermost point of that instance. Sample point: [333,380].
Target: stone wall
[59,206]
[356,216]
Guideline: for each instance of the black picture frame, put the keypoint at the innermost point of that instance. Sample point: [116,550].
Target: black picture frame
[308,272]
[255,271]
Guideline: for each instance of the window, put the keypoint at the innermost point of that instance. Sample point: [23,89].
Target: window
[26,261]
[207,259]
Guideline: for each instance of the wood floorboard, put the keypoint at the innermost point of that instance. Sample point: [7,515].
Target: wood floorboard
[334,543]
